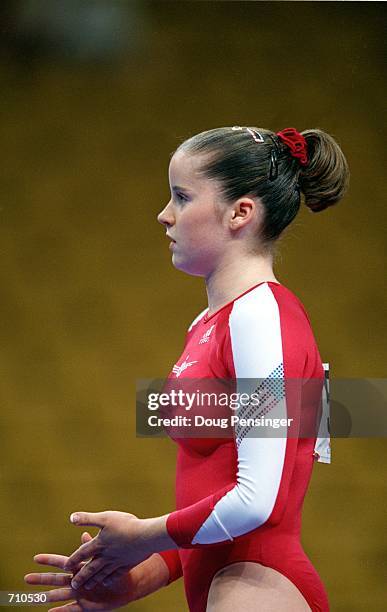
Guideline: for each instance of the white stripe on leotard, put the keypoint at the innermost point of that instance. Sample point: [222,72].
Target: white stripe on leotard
[197,319]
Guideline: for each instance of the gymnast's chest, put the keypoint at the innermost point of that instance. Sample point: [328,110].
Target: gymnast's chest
[204,354]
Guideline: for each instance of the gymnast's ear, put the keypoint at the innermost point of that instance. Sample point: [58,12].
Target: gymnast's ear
[244,211]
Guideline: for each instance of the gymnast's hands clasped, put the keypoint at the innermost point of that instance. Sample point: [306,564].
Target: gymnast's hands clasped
[123,541]
[115,567]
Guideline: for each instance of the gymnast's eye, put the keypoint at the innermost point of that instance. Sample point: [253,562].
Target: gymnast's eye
[181,197]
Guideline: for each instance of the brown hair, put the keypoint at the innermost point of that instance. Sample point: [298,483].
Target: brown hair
[240,159]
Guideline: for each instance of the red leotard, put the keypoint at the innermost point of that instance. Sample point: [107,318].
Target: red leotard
[241,500]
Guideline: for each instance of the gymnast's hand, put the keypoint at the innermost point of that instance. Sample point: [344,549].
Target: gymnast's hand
[126,586]
[99,598]
[123,542]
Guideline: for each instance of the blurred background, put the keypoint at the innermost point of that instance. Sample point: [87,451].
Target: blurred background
[95,96]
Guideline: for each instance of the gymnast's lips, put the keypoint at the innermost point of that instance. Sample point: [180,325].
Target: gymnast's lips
[170,237]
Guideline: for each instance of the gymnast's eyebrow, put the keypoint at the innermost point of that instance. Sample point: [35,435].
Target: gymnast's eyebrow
[178,188]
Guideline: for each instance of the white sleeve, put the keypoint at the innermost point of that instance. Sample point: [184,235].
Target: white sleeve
[257,353]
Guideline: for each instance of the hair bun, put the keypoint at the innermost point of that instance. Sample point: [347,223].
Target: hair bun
[325,179]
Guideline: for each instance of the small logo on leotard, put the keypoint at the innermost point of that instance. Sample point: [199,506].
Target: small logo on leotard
[206,336]
[179,369]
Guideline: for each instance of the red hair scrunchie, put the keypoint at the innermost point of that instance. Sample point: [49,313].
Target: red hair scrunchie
[296,143]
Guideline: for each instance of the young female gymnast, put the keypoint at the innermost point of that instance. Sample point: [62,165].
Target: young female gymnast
[235,535]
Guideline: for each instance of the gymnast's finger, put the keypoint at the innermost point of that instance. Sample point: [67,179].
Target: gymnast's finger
[70,607]
[48,579]
[58,561]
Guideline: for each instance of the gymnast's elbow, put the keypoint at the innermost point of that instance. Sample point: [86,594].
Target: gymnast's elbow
[256,512]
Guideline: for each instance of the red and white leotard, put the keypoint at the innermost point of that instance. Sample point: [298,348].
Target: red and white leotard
[241,500]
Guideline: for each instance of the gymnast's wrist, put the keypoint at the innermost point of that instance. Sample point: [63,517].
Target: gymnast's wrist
[155,534]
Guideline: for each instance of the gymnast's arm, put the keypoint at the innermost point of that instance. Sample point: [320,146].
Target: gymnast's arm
[172,560]
[258,349]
